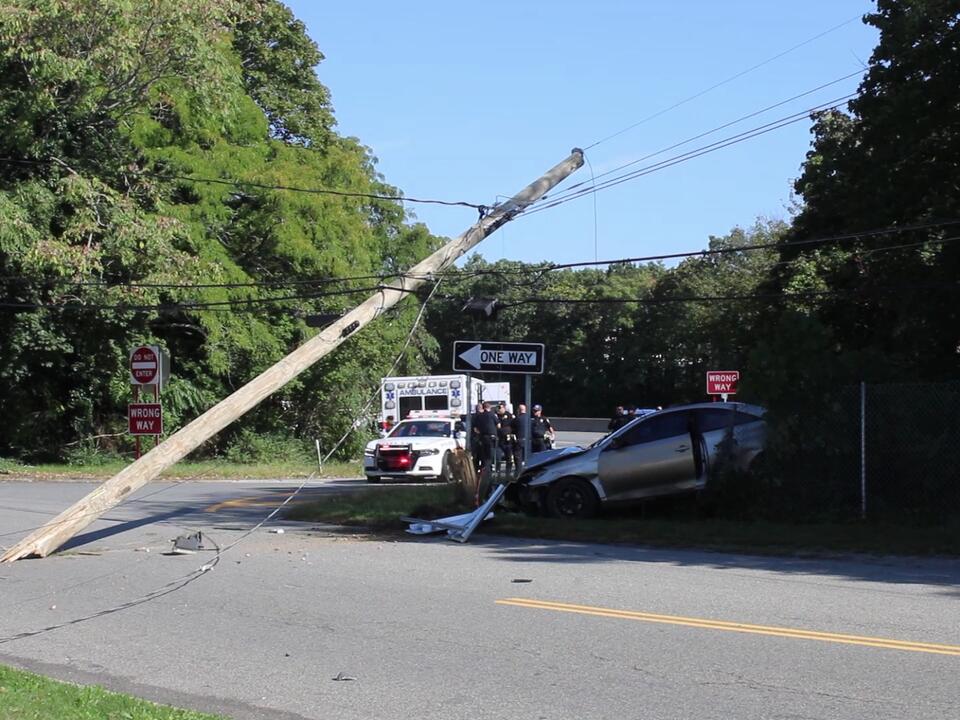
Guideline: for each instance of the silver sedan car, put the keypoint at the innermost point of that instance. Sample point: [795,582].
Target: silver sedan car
[663,453]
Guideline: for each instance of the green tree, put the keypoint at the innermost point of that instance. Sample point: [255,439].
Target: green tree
[142,140]
[893,161]
[705,312]
[626,334]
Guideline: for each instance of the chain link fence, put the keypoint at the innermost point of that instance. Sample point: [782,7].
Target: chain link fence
[885,452]
[911,448]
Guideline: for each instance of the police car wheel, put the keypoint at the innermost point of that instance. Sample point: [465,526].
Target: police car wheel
[572,498]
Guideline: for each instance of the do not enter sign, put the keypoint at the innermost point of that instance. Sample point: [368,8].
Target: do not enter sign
[722,382]
[145,365]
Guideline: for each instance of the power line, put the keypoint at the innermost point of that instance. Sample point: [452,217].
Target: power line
[777,296]
[188,305]
[537,272]
[717,129]
[266,186]
[722,82]
[382,278]
[719,251]
[320,191]
[683,157]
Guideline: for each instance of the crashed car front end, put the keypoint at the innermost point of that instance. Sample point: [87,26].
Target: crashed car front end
[548,466]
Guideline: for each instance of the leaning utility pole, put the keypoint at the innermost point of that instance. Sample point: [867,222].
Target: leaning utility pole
[51,536]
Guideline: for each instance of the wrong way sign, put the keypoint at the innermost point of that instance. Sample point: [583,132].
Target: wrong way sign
[722,382]
[500,357]
[145,419]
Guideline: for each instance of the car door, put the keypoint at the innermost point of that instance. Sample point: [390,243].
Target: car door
[716,427]
[736,433]
[651,455]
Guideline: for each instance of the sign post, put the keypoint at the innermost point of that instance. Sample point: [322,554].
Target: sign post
[722,382]
[149,365]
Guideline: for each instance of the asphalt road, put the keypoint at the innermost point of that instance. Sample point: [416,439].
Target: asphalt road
[496,628]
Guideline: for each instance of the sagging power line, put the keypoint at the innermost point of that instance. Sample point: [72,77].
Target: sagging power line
[563,198]
[266,186]
[775,297]
[722,82]
[535,272]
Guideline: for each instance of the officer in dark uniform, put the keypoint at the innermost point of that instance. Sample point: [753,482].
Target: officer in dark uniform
[540,430]
[520,426]
[505,439]
[474,439]
[619,419]
[486,429]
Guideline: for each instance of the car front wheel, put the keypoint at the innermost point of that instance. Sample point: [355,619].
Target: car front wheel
[572,498]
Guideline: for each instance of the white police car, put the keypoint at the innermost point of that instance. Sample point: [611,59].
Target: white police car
[417,448]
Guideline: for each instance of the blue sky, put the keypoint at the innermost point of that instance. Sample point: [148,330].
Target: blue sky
[470,101]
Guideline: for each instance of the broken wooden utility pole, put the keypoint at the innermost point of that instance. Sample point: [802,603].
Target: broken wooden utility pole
[56,532]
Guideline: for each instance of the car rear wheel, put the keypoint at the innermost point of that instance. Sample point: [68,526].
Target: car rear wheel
[571,498]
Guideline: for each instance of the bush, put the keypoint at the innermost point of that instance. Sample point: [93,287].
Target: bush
[89,453]
[250,447]
[736,494]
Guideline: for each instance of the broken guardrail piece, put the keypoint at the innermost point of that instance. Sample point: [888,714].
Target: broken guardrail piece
[458,527]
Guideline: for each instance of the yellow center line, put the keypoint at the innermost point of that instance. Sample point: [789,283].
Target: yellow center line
[255,501]
[735,627]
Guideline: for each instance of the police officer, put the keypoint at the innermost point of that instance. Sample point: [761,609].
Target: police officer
[541,431]
[520,426]
[486,428]
[619,419]
[475,449]
[505,438]
[386,426]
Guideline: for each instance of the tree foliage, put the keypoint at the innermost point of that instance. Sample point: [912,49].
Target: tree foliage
[131,130]
[892,162]
[630,334]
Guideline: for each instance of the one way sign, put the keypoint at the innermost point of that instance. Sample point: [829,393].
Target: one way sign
[502,357]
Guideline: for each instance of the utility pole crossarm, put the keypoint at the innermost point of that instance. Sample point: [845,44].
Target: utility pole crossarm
[57,531]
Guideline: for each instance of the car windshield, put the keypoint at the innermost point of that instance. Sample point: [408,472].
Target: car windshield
[421,428]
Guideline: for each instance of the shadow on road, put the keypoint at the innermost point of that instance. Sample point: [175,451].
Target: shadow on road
[882,569]
[121,527]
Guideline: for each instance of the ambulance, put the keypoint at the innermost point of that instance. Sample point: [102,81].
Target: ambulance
[450,395]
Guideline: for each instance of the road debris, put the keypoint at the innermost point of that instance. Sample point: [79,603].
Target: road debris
[187,544]
[457,527]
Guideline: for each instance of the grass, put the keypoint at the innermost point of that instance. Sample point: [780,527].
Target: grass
[25,695]
[661,526]
[205,470]
[380,507]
